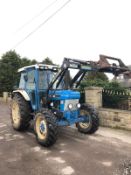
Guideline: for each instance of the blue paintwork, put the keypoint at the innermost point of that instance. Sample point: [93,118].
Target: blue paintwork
[65,94]
[37,97]
[69,117]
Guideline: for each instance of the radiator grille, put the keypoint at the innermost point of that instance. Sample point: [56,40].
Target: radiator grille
[74,102]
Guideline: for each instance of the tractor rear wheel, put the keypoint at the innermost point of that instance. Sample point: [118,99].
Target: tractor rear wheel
[20,113]
[45,128]
[92,125]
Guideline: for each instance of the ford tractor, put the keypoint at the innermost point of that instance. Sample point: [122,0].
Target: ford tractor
[49,96]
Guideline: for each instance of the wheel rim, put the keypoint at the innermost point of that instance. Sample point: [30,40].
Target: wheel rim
[85,124]
[15,113]
[41,127]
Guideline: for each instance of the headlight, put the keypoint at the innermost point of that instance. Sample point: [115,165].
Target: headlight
[78,105]
[70,106]
[51,104]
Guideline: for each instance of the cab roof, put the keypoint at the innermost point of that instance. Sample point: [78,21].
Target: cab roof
[38,66]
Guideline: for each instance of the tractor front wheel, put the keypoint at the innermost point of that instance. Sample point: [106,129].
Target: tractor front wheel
[92,125]
[45,128]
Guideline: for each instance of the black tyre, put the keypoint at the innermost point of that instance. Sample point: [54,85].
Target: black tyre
[20,113]
[46,128]
[92,125]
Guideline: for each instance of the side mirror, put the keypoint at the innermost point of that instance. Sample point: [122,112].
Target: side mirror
[25,77]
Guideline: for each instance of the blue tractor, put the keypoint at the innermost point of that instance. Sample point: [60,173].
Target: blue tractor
[49,96]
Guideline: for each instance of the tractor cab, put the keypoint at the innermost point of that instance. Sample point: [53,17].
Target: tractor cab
[34,80]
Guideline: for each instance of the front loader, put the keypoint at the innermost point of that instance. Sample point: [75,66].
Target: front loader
[49,95]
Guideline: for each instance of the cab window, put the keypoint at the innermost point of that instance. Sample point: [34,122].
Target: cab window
[22,81]
[30,80]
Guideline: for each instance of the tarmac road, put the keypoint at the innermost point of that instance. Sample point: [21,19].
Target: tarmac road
[108,152]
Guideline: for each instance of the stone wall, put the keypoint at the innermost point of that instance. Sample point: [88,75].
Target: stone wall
[93,96]
[115,118]
[108,117]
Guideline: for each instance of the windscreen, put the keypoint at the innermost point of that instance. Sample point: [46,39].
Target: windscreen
[45,77]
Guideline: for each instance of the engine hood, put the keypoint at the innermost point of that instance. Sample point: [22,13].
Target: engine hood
[64,94]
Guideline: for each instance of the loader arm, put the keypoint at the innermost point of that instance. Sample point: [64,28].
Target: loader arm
[68,63]
[102,65]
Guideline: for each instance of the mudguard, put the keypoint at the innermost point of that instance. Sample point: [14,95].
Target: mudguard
[23,93]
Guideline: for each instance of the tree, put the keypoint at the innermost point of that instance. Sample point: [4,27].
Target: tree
[27,62]
[95,76]
[99,79]
[33,61]
[94,79]
[48,61]
[9,64]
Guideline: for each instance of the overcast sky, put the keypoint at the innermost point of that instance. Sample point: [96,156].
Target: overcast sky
[83,29]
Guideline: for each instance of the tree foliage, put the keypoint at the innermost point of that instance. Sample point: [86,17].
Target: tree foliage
[27,62]
[48,61]
[94,79]
[9,65]
[100,80]
[96,76]
[10,62]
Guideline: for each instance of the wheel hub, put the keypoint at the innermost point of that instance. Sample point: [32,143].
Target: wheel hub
[42,127]
[86,123]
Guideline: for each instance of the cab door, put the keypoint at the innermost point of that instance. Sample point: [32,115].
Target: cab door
[31,87]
